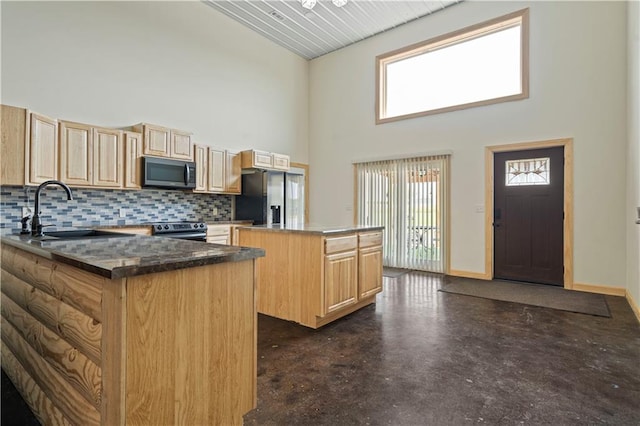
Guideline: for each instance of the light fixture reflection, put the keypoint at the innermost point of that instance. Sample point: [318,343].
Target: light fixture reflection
[308,4]
[339,3]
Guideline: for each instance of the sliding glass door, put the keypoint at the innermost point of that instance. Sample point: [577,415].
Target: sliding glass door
[409,198]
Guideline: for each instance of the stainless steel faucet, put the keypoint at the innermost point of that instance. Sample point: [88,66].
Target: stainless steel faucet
[36,226]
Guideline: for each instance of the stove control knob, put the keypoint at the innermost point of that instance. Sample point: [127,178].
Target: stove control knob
[166,227]
[202,225]
[159,227]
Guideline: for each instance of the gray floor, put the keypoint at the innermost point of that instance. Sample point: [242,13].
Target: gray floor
[423,357]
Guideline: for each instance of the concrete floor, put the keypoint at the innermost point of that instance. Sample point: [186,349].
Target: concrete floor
[423,357]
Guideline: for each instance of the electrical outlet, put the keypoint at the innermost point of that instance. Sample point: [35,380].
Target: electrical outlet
[215,211]
[122,212]
[26,211]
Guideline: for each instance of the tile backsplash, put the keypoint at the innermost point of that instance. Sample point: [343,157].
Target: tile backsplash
[98,207]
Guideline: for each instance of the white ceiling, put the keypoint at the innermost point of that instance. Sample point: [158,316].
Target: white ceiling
[326,28]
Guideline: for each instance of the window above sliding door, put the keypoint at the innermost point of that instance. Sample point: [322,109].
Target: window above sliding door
[479,65]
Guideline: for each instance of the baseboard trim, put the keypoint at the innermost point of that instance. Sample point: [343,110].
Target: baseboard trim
[600,289]
[469,274]
[634,305]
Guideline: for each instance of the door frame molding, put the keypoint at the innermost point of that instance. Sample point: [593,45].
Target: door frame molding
[489,152]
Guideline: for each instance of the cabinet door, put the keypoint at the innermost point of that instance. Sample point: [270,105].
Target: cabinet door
[369,271]
[202,168]
[14,136]
[233,173]
[76,154]
[132,159]
[107,158]
[219,239]
[156,141]
[216,170]
[42,161]
[181,145]
[340,280]
[280,161]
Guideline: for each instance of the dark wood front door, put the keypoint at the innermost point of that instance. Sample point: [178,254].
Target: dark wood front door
[529,215]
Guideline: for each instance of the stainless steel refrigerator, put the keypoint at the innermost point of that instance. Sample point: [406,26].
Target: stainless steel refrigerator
[270,197]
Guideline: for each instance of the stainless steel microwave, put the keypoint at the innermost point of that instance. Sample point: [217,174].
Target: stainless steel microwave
[166,173]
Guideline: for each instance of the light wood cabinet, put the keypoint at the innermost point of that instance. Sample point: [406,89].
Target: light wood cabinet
[90,156]
[219,234]
[217,170]
[281,162]
[107,158]
[42,149]
[201,156]
[159,141]
[132,160]
[76,154]
[314,279]
[180,147]
[369,264]
[14,123]
[254,159]
[233,172]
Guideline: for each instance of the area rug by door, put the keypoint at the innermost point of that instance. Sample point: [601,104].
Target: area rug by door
[530,294]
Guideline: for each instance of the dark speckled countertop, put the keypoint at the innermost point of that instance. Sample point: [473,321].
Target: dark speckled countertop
[129,255]
[315,228]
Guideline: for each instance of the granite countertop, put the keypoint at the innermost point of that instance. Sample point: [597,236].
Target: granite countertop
[128,255]
[315,228]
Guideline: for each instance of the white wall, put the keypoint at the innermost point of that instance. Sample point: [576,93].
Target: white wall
[578,89]
[179,64]
[633,157]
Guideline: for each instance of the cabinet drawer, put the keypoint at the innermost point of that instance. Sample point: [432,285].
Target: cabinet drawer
[370,239]
[338,244]
[280,161]
[213,230]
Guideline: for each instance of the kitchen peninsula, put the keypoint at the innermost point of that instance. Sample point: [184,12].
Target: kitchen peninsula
[130,330]
[313,275]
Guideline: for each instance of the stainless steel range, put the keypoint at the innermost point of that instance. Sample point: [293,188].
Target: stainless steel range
[194,231]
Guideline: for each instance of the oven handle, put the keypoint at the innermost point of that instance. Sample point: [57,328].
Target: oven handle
[197,236]
[187,174]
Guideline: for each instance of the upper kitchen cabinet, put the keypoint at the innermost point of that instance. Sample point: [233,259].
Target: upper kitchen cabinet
[132,160]
[90,156]
[254,159]
[29,147]
[161,141]
[217,170]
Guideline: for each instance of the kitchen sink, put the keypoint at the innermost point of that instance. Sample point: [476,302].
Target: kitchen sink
[83,233]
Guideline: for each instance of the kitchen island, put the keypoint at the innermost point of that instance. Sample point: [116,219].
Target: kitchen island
[130,330]
[312,274]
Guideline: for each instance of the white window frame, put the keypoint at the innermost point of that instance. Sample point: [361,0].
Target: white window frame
[518,18]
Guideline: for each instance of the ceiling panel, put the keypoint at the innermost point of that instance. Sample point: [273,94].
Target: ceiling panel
[326,27]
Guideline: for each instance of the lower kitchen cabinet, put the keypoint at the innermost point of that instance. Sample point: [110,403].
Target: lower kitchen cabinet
[313,277]
[219,234]
[369,264]
[340,280]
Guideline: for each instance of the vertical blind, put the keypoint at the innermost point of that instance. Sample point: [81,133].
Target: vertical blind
[409,198]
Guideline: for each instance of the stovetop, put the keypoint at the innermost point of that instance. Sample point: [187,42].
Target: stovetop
[175,227]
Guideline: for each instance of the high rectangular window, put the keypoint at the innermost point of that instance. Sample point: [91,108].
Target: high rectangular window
[479,65]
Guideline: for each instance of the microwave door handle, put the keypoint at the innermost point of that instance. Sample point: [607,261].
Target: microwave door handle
[187,174]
